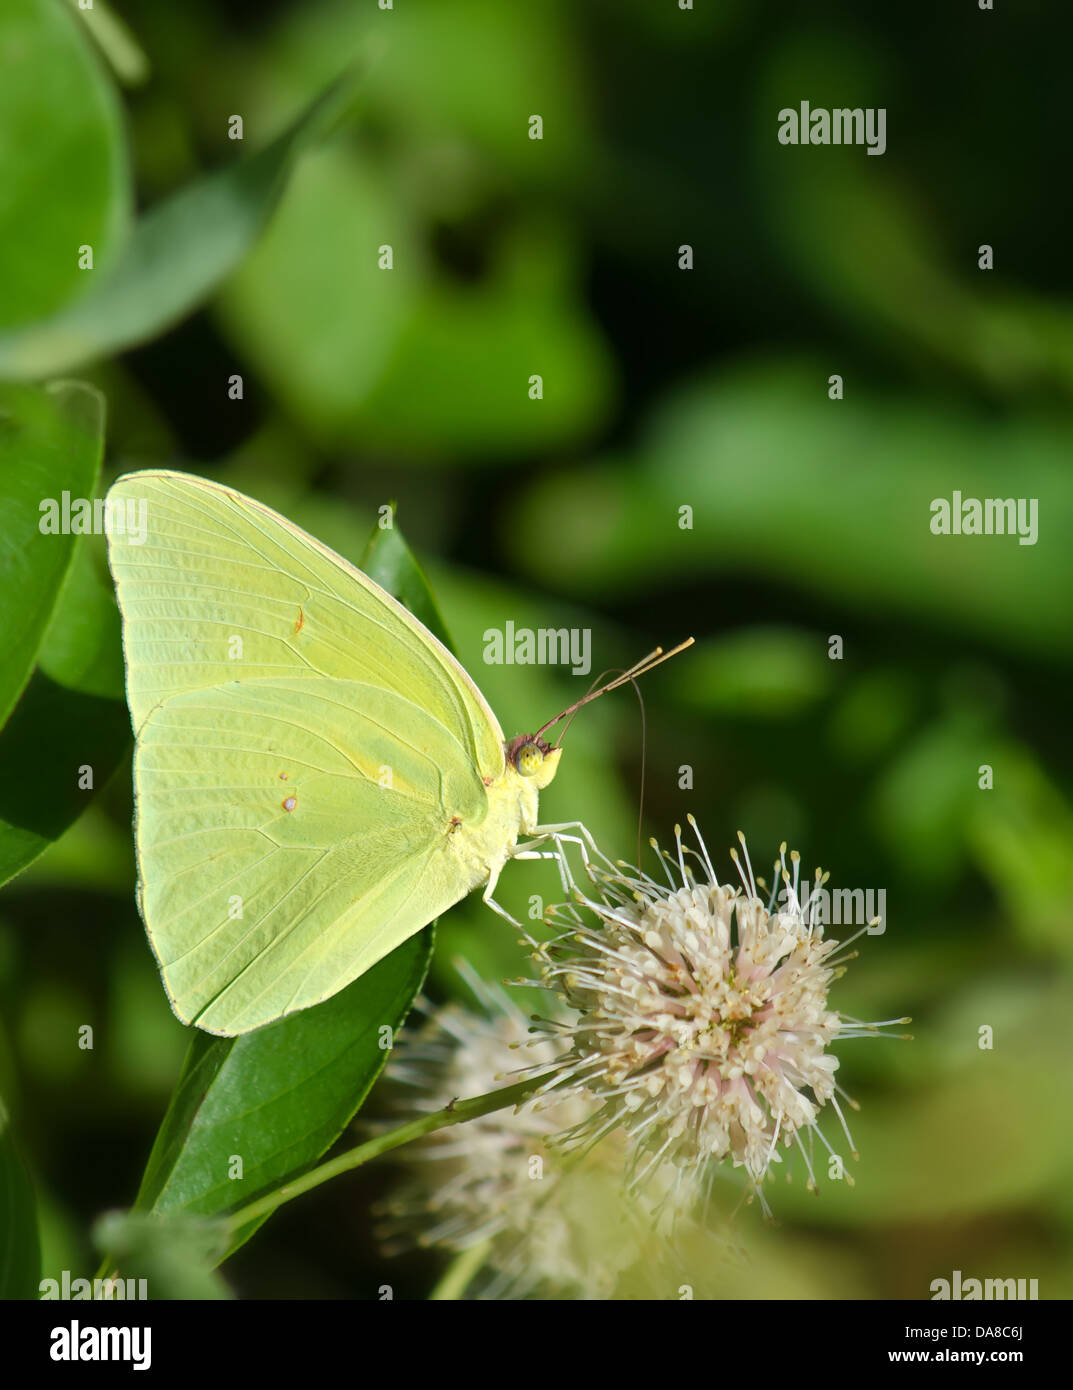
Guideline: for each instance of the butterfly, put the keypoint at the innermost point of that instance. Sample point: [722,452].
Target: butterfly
[316,777]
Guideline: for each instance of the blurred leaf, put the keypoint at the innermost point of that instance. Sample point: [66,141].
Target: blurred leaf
[116,42]
[925,799]
[177,253]
[64,1239]
[175,1255]
[864,238]
[1020,833]
[457,75]
[985,1137]
[71,716]
[790,487]
[310,306]
[457,385]
[484,69]
[276,1098]
[145,1045]
[50,443]
[758,673]
[408,358]
[64,178]
[94,855]
[20,1253]
[875,708]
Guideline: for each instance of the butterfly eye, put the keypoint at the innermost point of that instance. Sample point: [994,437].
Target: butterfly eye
[528,759]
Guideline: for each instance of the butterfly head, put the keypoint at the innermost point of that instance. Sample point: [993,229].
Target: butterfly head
[533,759]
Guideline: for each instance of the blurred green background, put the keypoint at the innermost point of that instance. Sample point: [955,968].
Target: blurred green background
[663,388]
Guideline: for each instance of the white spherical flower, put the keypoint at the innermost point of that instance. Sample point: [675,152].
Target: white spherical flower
[702,1022]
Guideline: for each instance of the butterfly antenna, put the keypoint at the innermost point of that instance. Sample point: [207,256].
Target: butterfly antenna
[646,664]
[609,671]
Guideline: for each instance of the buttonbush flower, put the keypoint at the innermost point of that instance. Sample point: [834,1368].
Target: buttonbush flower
[701,1023]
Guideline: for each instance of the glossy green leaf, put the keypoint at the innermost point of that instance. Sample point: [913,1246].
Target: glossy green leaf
[20,1253]
[390,562]
[82,648]
[64,176]
[176,255]
[50,444]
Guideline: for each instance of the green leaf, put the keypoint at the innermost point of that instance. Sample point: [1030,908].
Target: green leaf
[390,562]
[279,1097]
[50,443]
[20,1252]
[83,645]
[64,175]
[177,254]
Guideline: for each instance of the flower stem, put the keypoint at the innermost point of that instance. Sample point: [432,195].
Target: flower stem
[456,1278]
[455,1114]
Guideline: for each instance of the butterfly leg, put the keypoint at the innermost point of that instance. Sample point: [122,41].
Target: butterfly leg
[488,898]
[583,834]
[529,849]
[566,878]
[583,839]
[558,836]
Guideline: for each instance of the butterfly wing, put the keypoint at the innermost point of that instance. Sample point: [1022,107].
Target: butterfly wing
[305,752]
